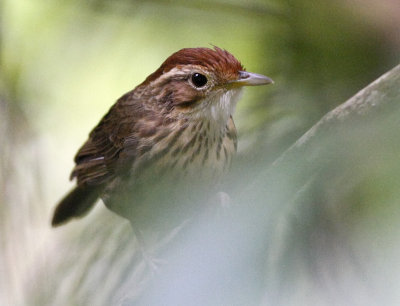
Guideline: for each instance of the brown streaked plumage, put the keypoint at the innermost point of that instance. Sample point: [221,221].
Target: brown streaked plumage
[177,122]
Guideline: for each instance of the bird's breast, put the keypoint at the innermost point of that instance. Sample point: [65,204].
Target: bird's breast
[201,150]
[186,160]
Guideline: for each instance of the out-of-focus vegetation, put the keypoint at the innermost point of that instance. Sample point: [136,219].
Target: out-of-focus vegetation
[331,240]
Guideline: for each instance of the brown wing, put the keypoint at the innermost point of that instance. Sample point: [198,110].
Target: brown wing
[98,160]
[111,146]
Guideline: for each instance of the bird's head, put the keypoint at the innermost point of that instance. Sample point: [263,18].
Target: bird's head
[200,83]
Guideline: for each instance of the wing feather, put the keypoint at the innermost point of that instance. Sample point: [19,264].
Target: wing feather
[98,159]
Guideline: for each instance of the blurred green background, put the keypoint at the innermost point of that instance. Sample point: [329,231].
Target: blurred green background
[64,63]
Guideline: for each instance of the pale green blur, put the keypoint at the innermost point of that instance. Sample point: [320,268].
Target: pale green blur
[64,63]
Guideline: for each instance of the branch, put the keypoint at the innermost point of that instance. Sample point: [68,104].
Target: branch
[382,93]
[373,108]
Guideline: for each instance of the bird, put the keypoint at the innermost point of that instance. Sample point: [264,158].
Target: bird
[176,126]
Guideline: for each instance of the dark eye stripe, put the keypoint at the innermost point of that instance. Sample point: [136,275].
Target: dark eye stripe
[187,103]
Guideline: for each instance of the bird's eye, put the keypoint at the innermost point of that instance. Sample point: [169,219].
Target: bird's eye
[199,80]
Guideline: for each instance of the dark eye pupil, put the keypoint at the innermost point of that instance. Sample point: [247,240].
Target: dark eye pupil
[199,80]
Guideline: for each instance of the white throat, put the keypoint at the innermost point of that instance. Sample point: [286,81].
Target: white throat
[219,107]
[222,106]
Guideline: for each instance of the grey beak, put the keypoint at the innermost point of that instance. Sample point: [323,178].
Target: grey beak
[252,79]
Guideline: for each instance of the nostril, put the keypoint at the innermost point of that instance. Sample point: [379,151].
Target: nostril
[243,75]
